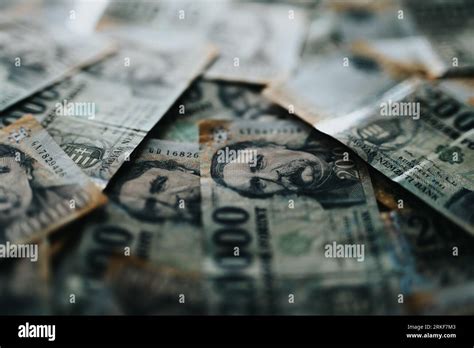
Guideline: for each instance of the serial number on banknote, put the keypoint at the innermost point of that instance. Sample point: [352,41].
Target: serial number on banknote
[48,159]
[264,131]
[167,152]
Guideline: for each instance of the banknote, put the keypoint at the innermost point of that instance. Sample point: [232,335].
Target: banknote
[448,26]
[167,15]
[257,48]
[337,24]
[100,115]
[153,220]
[16,6]
[215,100]
[41,189]
[413,55]
[431,252]
[316,90]
[17,295]
[443,44]
[307,4]
[277,199]
[253,48]
[77,16]
[420,135]
[28,64]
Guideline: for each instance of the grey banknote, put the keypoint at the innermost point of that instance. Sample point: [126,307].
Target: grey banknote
[277,200]
[78,16]
[330,86]
[338,24]
[253,48]
[449,28]
[444,41]
[41,189]
[215,100]
[100,115]
[413,55]
[420,135]
[256,48]
[13,5]
[167,15]
[153,221]
[28,64]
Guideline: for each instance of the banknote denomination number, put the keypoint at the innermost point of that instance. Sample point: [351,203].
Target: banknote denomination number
[236,288]
[230,236]
[35,105]
[344,165]
[446,107]
[109,240]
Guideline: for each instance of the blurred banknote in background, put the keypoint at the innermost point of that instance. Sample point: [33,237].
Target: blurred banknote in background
[101,114]
[236,157]
[32,56]
[253,48]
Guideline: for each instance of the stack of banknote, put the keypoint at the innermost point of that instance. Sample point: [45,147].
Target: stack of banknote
[237,157]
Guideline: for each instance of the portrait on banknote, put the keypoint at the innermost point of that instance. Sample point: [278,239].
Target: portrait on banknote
[309,170]
[19,194]
[153,190]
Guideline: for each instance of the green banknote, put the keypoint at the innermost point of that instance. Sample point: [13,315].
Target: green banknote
[153,222]
[291,223]
[418,133]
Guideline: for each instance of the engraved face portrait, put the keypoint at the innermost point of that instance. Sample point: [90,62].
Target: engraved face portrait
[160,190]
[20,194]
[235,97]
[246,102]
[15,176]
[278,169]
[240,100]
